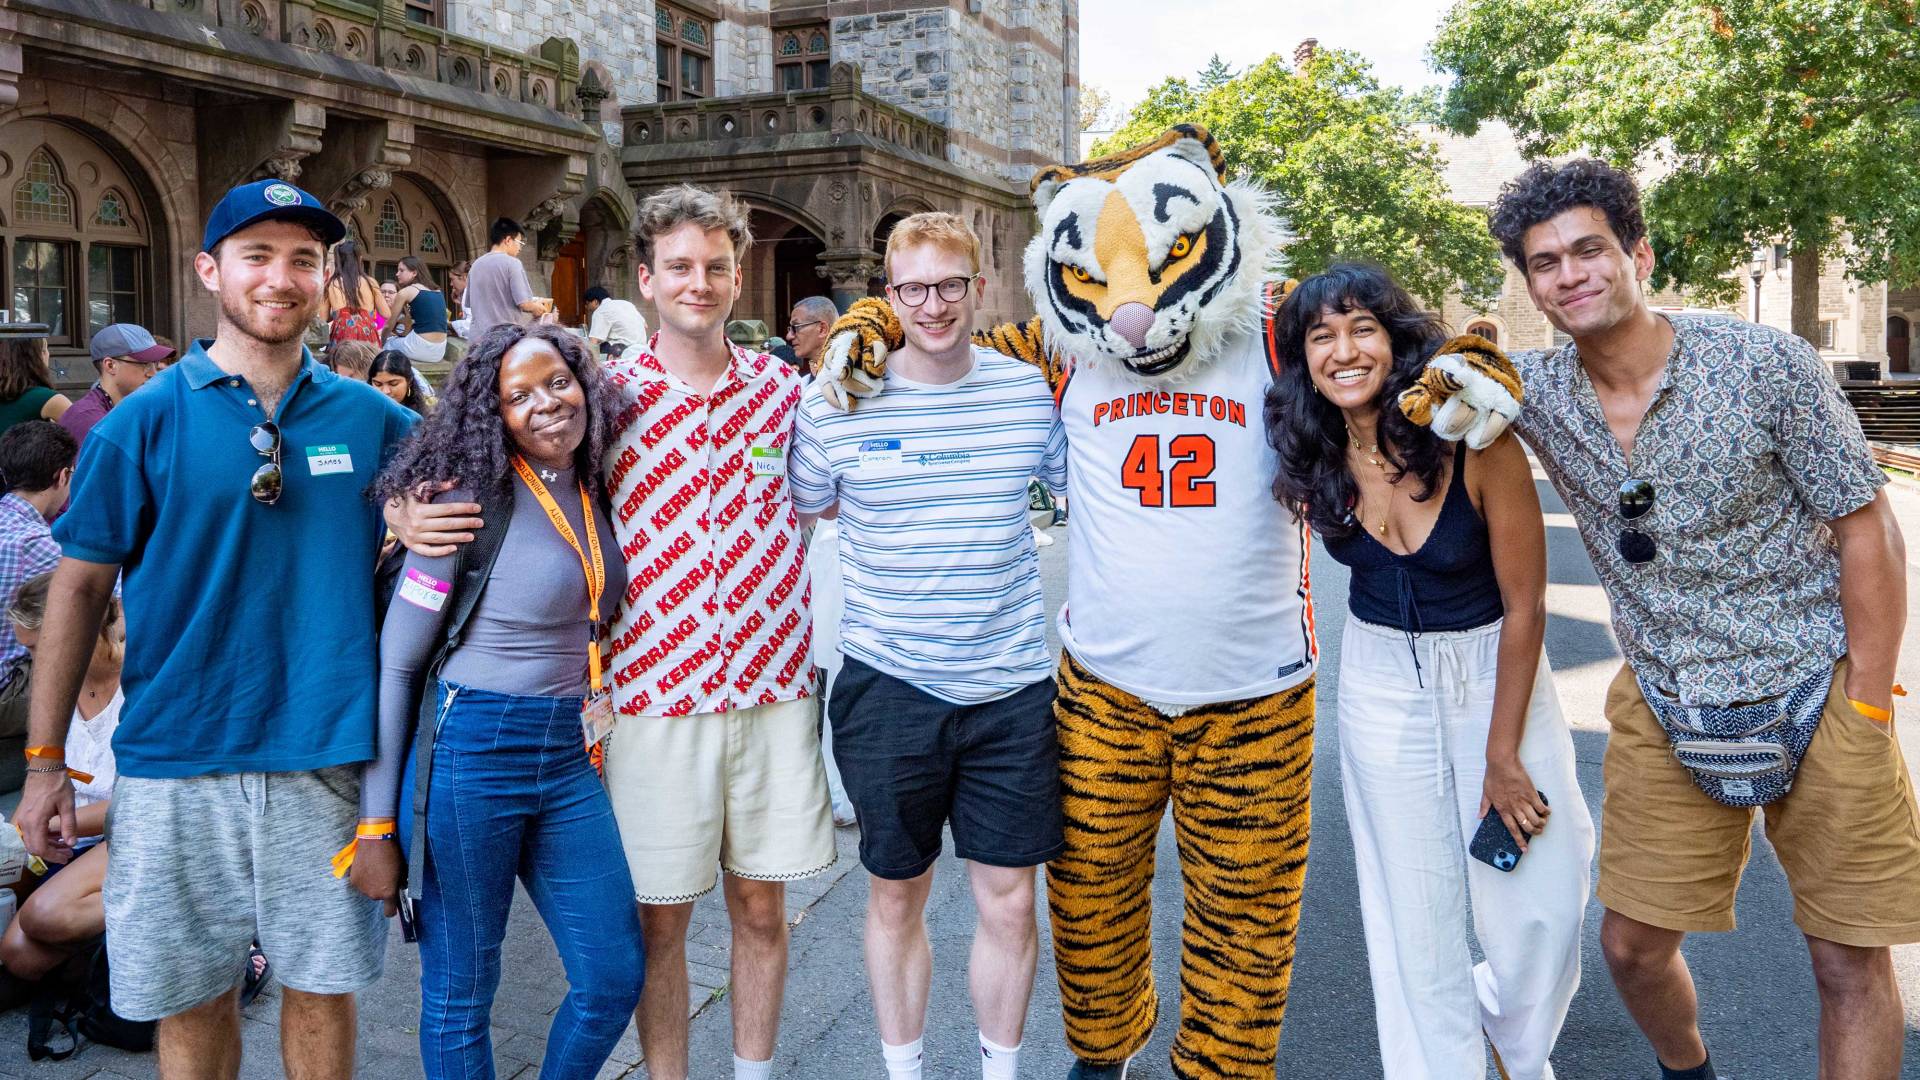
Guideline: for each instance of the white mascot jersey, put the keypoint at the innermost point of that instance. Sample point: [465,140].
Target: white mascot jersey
[1179,479]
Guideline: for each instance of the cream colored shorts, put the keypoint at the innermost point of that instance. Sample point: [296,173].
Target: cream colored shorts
[742,790]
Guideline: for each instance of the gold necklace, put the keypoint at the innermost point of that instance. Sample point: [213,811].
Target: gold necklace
[1372,452]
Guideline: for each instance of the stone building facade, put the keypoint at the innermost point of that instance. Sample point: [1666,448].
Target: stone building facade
[1860,321]
[420,121]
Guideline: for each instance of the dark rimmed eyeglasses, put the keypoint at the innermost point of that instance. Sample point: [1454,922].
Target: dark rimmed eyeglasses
[267,479]
[914,293]
[1636,499]
[794,328]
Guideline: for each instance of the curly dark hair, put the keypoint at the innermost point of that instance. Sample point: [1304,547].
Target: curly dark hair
[1310,432]
[1546,191]
[465,441]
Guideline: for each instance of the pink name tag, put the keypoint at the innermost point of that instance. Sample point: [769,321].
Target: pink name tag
[420,590]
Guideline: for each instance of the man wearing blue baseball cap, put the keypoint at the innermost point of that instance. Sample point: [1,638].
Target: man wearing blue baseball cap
[126,356]
[229,494]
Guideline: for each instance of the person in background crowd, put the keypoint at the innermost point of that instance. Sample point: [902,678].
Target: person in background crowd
[353,360]
[807,329]
[393,375]
[36,469]
[511,790]
[949,723]
[389,292]
[125,356]
[1447,708]
[614,321]
[497,287]
[66,911]
[1758,577]
[716,761]
[172,350]
[234,791]
[778,348]
[26,376]
[356,309]
[457,315]
[425,313]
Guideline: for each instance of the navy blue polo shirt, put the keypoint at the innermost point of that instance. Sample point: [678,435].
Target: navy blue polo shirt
[250,628]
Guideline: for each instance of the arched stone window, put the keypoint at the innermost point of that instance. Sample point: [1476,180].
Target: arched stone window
[406,210]
[1485,329]
[75,246]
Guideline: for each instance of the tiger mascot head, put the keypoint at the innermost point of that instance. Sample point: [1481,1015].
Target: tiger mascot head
[1150,260]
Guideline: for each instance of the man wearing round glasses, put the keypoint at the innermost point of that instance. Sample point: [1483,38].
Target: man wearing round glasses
[1734,514]
[229,493]
[807,330]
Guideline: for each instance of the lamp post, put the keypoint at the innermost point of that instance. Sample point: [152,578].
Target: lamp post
[1756,270]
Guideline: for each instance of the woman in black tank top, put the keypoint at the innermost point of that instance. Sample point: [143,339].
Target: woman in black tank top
[1446,707]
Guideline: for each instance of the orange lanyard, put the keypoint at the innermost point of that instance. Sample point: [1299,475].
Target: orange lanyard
[596,569]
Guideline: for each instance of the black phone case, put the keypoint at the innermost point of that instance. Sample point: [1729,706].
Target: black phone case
[1493,844]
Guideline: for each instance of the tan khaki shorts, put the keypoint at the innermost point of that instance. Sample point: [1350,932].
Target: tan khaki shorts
[742,790]
[1848,834]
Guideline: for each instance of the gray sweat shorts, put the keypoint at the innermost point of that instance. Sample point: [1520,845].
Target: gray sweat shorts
[201,866]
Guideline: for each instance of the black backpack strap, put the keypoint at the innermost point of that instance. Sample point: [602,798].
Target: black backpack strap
[473,566]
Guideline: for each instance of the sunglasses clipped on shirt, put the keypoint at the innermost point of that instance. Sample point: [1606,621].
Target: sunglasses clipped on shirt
[1636,499]
[267,479]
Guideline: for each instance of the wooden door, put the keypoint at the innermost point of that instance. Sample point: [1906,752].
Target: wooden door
[569,277]
[1899,344]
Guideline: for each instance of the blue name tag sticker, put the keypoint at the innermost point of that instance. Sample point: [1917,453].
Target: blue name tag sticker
[880,452]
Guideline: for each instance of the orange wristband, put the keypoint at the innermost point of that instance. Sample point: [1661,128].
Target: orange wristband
[1874,712]
[48,753]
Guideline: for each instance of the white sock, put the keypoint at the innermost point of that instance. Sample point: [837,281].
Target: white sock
[903,1062]
[752,1070]
[998,1062]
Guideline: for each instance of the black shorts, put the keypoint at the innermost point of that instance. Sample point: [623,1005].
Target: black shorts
[913,762]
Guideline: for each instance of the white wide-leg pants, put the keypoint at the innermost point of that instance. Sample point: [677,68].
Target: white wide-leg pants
[1412,761]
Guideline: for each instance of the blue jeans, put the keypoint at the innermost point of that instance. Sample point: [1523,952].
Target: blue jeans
[513,795]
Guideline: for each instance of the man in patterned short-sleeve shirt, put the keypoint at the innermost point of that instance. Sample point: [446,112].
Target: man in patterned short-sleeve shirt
[1728,500]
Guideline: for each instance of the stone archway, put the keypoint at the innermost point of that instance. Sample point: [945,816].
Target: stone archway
[411,217]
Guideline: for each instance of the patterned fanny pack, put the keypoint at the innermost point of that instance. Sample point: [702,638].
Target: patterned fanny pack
[1743,755]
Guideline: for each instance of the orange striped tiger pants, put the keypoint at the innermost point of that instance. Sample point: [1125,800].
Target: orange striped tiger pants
[1239,774]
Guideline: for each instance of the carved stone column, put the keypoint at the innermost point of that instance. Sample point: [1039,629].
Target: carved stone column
[12,60]
[847,271]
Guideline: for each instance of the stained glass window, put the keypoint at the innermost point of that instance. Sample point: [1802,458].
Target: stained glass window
[113,211]
[40,197]
[819,42]
[694,32]
[790,46]
[429,241]
[663,20]
[389,231]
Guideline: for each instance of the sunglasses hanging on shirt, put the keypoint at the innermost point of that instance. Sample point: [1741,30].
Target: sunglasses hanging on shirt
[267,479]
[1636,499]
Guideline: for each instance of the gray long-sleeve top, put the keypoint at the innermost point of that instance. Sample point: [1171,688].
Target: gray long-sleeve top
[527,635]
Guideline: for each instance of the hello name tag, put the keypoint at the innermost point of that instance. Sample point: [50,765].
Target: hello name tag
[767,460]
[327,460]
[422,590]
[880,452]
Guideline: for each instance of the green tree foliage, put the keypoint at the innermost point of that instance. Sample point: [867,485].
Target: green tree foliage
[1350,175]
[1216,73]
[1764,121]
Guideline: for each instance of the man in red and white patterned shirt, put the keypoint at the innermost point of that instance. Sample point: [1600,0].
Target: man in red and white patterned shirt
[716,759]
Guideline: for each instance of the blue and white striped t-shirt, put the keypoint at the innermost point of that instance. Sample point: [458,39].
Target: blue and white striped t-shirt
[942,581]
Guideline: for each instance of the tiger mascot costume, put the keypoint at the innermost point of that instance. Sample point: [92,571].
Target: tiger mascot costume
[1190,654]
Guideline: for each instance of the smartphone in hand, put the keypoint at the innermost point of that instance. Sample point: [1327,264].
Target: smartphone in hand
[1494,845]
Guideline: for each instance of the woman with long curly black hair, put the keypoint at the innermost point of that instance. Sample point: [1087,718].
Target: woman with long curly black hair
[1446,705]
[502,637]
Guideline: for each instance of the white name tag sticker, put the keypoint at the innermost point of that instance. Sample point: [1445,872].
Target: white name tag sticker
[327,460]
[767,460]
[422,590]
[880,452]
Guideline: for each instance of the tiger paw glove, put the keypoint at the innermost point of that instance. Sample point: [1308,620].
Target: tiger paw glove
[855,365]
[1468,390]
